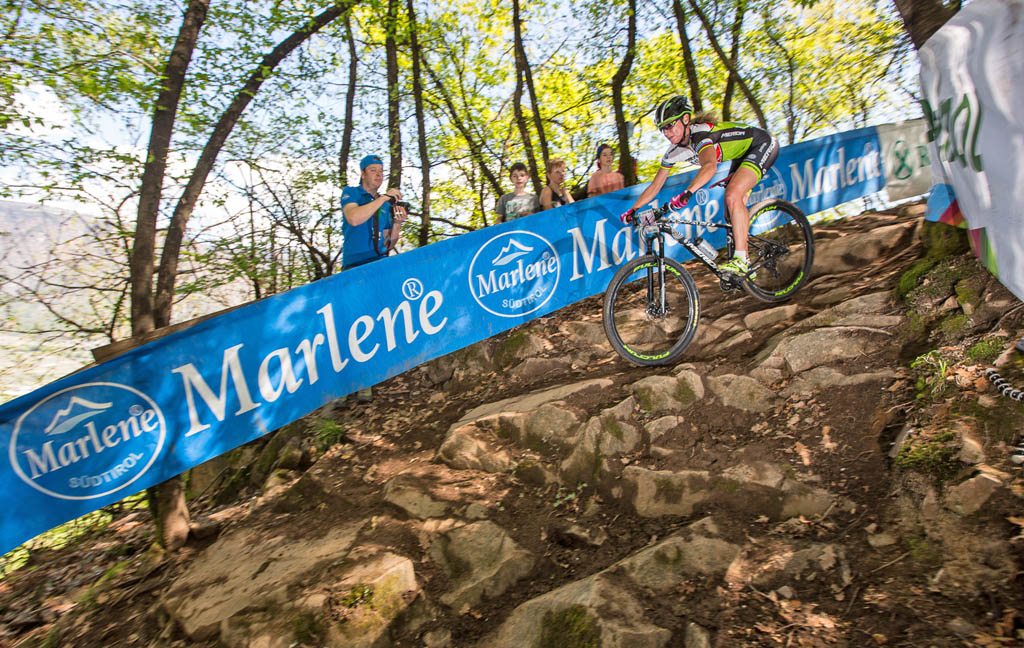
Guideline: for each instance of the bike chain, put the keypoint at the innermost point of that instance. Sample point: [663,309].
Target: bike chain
[1006,389]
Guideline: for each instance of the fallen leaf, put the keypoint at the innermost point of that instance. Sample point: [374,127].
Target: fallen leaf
[805,454]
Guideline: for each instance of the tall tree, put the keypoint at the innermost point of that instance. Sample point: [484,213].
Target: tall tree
[350,102]
[517,97]
[626,165]
[421,129]
[154,310]
[922,18]
[165,109]
[732,69]
[394,118]
[734,59]
[696,97]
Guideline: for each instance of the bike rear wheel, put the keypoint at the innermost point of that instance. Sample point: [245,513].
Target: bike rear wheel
[650,317]
[780,250]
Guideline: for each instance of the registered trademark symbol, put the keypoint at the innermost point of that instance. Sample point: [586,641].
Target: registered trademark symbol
[412,289]
[702,196]
[135,410]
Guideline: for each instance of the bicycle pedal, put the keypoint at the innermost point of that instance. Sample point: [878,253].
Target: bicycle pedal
[729,286]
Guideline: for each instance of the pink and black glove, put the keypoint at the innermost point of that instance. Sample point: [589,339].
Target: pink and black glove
[680,201]
[627,217]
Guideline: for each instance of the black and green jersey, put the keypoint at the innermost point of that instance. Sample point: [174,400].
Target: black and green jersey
[748,145]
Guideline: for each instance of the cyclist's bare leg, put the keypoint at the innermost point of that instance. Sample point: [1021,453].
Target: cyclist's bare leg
[743,181]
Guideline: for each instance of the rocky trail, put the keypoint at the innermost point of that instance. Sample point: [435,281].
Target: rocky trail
[833,471]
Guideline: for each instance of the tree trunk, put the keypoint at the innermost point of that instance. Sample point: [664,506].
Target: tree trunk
[171,517]
[176,231]
[394,124]
[528,77]
[751,99]
[164,112]
[350,105]
[167,504]
[421,128]
[517,101]
[626,166]
[734,58]
[922,18]
[688,63]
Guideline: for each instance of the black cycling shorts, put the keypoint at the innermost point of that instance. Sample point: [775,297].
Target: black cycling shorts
[763,151]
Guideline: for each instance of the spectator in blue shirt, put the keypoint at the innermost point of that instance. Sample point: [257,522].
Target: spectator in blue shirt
[369,230]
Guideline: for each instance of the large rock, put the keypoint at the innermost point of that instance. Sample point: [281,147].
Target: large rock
[677,559]
[595,611]
[466,449]
[247,569]
[854,252]
[825,346]
[971,495]
[413,496]
[612,432]
[742,392]
[481,561]
[770,316]
[667,393]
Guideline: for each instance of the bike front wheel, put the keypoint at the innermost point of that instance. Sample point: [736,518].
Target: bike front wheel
[780,249]
[650,316]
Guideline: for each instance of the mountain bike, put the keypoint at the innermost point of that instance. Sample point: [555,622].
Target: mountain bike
[651,306]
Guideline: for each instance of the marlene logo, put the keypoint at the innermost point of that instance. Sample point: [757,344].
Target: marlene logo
[87,441]
[514,273]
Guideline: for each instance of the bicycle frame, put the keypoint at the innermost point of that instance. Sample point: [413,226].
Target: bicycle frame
[656,233]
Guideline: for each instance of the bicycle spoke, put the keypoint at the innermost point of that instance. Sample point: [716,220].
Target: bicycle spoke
[781,251]
[649,318]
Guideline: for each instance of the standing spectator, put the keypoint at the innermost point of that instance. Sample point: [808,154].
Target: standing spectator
[604,179]
[368,228]
[518,203]
[555,194]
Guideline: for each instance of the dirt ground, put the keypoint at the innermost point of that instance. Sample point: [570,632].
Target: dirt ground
[102,590]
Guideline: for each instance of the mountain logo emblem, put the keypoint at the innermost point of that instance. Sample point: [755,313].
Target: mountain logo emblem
[514,274]
[88,441]
[62,422]
[511,252]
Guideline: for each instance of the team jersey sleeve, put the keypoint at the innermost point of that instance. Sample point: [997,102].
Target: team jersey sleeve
[676,154]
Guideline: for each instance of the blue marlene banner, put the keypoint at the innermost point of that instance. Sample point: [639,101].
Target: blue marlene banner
[95,437]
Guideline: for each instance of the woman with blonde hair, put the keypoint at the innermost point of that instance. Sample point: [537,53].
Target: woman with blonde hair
[554,194]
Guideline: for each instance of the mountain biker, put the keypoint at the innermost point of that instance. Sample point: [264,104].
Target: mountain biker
[752,151]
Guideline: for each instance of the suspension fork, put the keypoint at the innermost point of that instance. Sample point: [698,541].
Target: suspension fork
[661,273]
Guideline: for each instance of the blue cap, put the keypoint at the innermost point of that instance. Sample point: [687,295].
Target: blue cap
[368,160]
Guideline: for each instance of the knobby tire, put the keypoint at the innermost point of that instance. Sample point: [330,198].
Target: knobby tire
[635,325]
[783,255]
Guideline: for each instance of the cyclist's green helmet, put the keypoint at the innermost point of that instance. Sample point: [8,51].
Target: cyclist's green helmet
[672,109]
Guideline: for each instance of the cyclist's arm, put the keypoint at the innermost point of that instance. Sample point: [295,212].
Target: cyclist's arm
[708,159]
[652,189]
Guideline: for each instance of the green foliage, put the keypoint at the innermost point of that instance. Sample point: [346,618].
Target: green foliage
[912,276]
[360,594]
[571,627]
[931,456]
[931,369]
[329,433]
[568,497]
[68,534]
